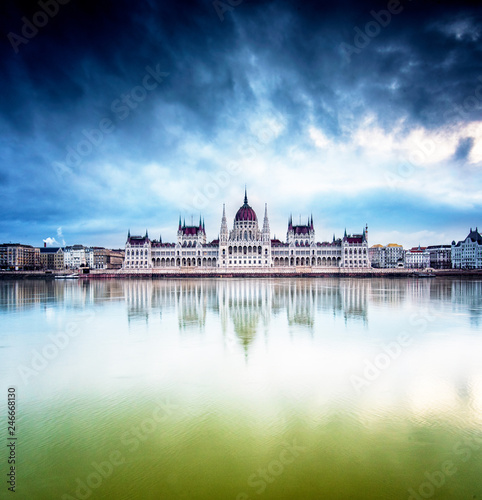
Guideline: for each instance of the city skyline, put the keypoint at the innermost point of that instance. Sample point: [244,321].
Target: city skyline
[124,117]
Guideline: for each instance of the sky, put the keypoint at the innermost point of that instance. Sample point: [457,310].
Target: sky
[119,115]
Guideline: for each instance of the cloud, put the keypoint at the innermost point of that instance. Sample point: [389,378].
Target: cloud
[267,89]
[51,242]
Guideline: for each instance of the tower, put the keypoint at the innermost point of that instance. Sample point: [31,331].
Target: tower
[266,232]
[223,233]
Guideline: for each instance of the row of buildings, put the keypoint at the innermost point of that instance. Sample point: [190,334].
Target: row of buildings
[246,245]
[393,256]
[465,254]
[19,257]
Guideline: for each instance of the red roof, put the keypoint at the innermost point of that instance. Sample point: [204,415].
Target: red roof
[301,229]
[245,213]
[188,230]
[137,240]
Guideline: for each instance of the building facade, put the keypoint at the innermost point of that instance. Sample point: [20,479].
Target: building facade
[246,245]
[440,256]
[18,257]
[417,258]
[78,255]
[390,256]
[467,254]
[52,258]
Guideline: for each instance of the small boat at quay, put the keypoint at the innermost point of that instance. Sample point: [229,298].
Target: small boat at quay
[67,277]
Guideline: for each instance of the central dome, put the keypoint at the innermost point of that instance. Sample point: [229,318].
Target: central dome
[245,213]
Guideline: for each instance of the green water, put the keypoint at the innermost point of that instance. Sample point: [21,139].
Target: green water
[243,389]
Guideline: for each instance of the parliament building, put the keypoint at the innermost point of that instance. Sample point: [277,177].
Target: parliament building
[246,246]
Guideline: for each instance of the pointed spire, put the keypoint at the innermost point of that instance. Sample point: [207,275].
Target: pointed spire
[345,232]
[245,195]
[333,237]
[147,236]
[160,238]
[266,230]
[224,226]
[129,233]
[184,223]
[200,222]
[179,222]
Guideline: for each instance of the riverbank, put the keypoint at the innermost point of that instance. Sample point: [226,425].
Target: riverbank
[280,272]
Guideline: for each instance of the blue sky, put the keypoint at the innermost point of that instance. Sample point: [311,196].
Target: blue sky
[118,115]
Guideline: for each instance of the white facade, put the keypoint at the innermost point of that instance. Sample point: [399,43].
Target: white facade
[417,258]
[78,255]
[246,246]
[467,254]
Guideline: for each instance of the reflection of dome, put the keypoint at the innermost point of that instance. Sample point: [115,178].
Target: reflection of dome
[245,213]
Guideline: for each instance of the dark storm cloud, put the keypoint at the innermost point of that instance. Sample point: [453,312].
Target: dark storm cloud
[90,53]
[464,148]
[273,57]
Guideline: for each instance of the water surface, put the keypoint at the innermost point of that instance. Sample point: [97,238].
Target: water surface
[242,389]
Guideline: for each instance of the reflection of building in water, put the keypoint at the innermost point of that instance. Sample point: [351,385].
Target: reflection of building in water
[466,296]
[138,297]
[300,302]
[355,295]
[247,303]
[32,293]
[391,292]
[191,304]
[245,306]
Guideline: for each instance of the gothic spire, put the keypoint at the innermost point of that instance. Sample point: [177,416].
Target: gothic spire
[245,195]
[266,230]
[224,226]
